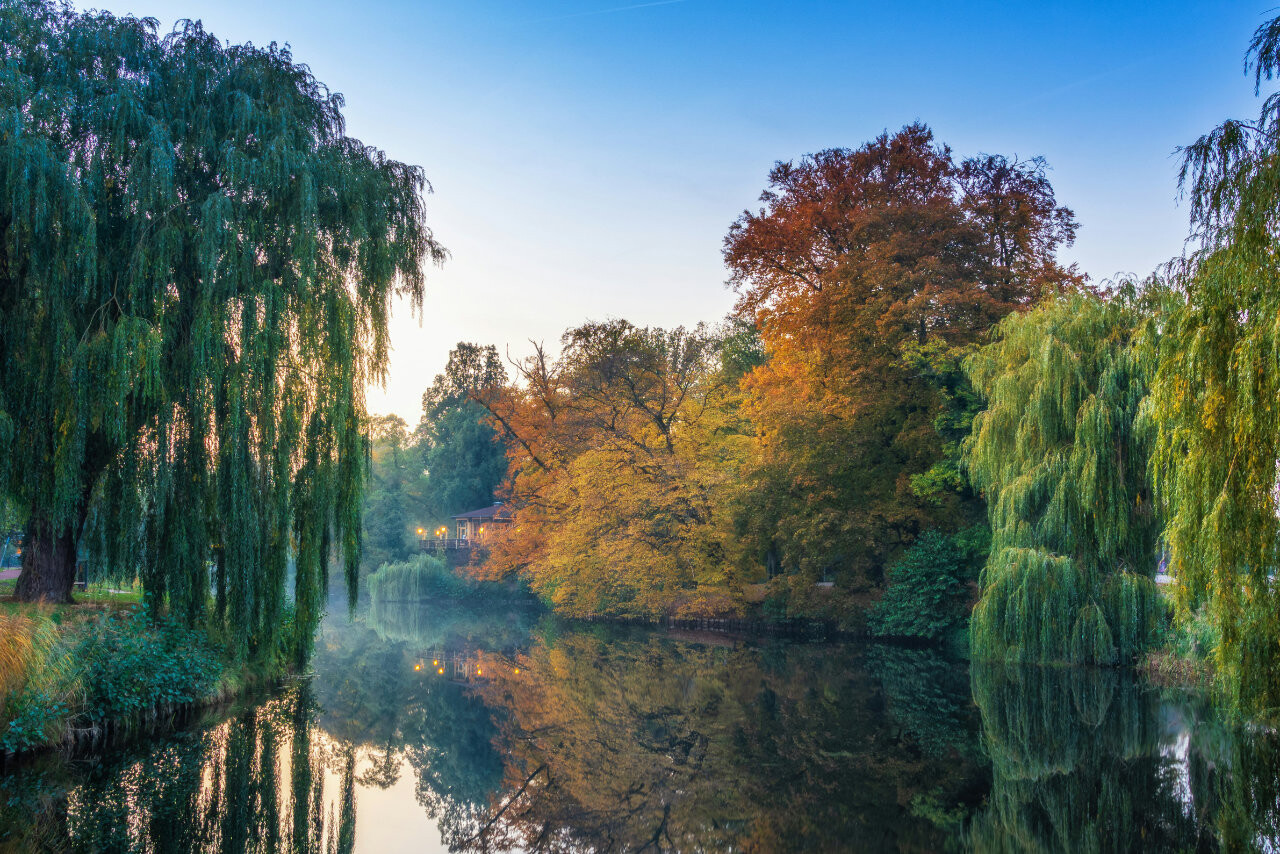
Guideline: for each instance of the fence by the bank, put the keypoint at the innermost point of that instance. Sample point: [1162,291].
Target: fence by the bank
[799,629]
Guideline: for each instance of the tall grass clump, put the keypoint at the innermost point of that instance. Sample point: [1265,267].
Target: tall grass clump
[37,686]
[26,638]
[1184,652]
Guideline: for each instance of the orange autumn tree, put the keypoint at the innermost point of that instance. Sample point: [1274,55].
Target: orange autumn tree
[618,450]
[869,273]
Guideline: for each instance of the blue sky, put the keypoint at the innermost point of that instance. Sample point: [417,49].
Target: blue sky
[588,155]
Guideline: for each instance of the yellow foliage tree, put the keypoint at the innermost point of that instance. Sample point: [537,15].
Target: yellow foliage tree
[621,453]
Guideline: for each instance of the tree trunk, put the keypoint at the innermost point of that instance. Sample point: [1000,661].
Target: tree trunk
[48,563]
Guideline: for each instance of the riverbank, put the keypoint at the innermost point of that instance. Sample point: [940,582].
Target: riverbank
[86,674]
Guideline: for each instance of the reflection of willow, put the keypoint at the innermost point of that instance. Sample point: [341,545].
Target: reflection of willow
[1250,818]
[616,744]
[218,790]
[438,624]
[1081,761]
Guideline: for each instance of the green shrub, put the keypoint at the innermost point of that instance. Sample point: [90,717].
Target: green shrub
[35,717]
[923,597]
[132,665]
[114,667]
[775,604]
[420,577]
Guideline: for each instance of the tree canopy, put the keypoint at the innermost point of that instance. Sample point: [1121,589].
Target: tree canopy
[863,268]
[464,456]
[395,496]
[1214,396]
[196,270]
[1063,466]
[614,475]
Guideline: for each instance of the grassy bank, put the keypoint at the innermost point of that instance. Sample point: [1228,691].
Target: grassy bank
[102,667]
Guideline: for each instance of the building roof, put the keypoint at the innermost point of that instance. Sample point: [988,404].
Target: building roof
[493,511]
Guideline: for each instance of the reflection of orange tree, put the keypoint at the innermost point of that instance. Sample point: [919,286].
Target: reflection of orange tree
[622,744]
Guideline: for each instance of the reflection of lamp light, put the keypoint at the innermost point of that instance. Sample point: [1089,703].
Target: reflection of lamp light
[440,671]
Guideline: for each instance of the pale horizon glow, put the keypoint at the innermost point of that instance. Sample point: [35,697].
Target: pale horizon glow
[588,156]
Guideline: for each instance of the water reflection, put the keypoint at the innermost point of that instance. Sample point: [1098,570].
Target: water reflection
[618,743]
[435,729]
[1086,759]
[256,782]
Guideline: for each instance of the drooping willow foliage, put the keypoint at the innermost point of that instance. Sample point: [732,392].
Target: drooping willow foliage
[196,270]
[1216,397]
[1064,470]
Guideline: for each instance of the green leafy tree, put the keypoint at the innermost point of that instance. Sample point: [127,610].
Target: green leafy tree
[1064,470]
[196,270]
[1214,397]
[395,499]
[464,456]
[924,597]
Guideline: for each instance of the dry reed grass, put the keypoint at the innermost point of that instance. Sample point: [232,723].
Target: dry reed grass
[25,639]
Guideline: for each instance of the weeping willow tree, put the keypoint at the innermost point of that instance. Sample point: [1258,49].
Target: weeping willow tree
[1064,471]
[1216,396]
[196,270]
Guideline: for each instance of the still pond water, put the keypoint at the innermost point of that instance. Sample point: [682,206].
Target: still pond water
[439,729]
